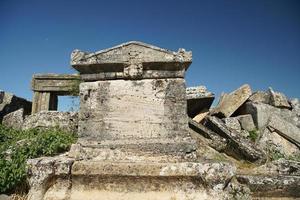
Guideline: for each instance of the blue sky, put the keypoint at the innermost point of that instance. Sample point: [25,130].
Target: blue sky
[233,41]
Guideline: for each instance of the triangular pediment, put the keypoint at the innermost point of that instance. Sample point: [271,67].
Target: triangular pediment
[125,52]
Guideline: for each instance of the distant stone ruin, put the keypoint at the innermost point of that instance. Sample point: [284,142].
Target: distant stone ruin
[47,87]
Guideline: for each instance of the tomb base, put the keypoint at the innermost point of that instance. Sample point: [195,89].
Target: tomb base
[62,178]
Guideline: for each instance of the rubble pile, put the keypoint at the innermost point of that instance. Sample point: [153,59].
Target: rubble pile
[257,131]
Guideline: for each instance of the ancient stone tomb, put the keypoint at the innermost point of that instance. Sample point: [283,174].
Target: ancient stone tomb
[133,131]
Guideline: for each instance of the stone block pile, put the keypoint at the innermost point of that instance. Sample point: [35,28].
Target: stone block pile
[260,130]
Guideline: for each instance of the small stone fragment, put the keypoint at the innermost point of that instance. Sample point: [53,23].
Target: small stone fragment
[229,103]
[198,118]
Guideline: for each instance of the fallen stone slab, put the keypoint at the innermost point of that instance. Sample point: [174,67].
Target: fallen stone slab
[285,129]
[278,99]
[271,186]
[14,119]
[199,100]
[260,97]
[215,141]
[67,121]
[239,147]
[10,103]
[229,103]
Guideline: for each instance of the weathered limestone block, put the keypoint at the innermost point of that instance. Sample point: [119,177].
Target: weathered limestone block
[239,147]
[264,186]
[229,103]
[261,113]
[277,146]
[43,171]
[232,123]
[278,99]
[246,122]
[199,101]
[67,121]
[132,180]
[11,103]
[139,111]
[260,97]
[285,129]
[14,119]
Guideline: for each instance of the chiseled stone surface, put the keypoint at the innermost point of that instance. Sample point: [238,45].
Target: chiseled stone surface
[229,103]
[67,121]
[138,110]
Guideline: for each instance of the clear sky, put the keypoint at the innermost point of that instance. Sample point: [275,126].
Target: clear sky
[233,41]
